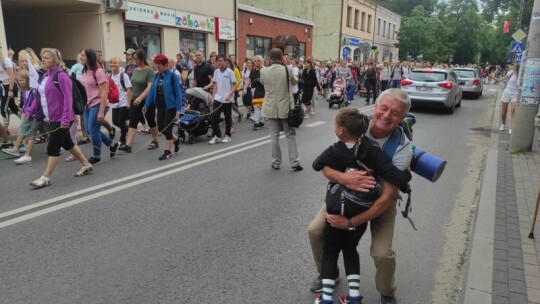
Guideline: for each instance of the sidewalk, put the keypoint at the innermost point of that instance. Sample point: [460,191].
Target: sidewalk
[503,264]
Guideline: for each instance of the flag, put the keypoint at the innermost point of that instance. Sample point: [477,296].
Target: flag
[506,27]
[34,76]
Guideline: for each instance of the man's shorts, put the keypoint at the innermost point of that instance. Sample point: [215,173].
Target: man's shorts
[509,96]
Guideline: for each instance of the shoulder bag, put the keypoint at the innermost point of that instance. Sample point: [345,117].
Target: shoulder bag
[295,116]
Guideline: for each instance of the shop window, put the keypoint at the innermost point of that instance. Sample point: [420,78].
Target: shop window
[301,49]
[356,55]
[190,42]
[258,46]
[143,37]
[222,48]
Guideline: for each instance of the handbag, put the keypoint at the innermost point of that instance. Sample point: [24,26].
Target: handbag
[295,117]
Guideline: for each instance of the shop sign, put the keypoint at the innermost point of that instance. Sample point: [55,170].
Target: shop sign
[353,42]
[225,29]
[150,14]
[191,21]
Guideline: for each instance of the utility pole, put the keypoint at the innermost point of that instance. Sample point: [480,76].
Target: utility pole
[528,97]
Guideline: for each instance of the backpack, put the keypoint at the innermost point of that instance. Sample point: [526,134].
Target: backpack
[114,94]
[78,92]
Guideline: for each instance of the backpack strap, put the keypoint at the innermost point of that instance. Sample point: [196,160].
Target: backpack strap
[122,81]
[56,82]
[390,146]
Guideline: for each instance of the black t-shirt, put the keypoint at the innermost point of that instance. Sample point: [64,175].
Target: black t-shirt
[256,84]
[371,73]
[160,94]
[201,73]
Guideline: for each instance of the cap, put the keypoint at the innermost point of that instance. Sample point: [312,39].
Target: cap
[129,52]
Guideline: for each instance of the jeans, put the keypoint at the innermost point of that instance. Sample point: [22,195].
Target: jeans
[395,83]
[94,129]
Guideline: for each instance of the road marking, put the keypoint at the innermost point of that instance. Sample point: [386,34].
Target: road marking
[314,124]
[124,179]
[492,90]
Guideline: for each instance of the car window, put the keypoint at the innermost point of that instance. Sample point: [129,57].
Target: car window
[427,76]
[465,73]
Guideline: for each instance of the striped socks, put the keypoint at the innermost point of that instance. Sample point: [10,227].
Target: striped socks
[354,285]
[328,289]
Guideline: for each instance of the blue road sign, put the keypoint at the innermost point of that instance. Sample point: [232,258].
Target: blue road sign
[517,57]
[516,47]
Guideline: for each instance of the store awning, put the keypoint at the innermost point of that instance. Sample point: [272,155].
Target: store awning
[285,40]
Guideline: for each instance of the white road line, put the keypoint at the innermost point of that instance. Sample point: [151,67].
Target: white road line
[492,90]
[125,186]
[314,124]
[124,179]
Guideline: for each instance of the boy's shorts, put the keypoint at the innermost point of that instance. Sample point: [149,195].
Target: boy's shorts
[25,125]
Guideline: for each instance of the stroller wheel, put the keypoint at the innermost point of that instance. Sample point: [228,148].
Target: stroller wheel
[192,139]
[329,105]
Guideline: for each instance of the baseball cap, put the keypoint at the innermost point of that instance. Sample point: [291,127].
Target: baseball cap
[129,52]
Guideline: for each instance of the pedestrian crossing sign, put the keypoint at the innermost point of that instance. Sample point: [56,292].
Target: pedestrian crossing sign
[517,47]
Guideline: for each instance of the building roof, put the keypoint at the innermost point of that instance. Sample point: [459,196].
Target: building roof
[259,11]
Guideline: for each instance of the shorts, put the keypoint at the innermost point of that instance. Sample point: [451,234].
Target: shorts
[37,127]
[25,125]
[509,96]
[58,138]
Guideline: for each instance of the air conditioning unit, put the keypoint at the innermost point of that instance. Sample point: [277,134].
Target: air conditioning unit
[117,5]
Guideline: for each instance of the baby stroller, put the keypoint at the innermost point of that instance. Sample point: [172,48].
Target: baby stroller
[338,93]
[195,121]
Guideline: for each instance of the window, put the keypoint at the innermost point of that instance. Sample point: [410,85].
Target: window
[356,16]
[363,22]
[384,28]
[369,23]
[258,46]
[190,42]
[389,28]
[379,27]
[222,47]
[143,37]
[301,49]
[394,32]
[349,12]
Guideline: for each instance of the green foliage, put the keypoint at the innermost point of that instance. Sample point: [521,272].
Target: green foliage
[405,7]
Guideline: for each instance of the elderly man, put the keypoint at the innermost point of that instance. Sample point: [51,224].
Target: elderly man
[390,109]
[278,100]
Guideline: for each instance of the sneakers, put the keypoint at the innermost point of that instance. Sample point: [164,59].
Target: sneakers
[388,300]
[166,155]
[125,148]
[214,140]
[298,168]
[12,151]
[23,160]
[41,182]
[226,139]
[346,299]
[319,300]
[316,285]
[85,170]
[70,158]
[501,128]
[114,148]
[94,160]
[257,126]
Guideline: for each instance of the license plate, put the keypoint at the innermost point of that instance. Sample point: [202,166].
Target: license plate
[462,83]
[424,89]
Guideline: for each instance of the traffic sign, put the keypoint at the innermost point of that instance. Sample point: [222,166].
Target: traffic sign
[517,47]
[519,35]
[517,57]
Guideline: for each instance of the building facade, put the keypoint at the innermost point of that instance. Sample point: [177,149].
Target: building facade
[157,26]
[260,30]
[386,34]
[357,28]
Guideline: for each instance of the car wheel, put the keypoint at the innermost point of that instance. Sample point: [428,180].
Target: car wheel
[451,109]
[459,103]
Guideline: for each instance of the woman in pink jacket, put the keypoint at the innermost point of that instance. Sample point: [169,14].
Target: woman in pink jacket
[56,103]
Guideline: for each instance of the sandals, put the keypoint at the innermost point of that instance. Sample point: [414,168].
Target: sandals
[40,140]
[153,145]
[83,141]
[85,170]
[40,183]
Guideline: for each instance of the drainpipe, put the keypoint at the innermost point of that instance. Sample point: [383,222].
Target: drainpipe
[236,29]
[340,31]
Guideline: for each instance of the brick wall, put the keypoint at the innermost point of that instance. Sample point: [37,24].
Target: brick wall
[269,27]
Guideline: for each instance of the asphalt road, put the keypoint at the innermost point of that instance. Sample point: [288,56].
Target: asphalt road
[213,224]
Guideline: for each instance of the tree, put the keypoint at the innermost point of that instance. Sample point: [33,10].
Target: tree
[404,8]
[493,9]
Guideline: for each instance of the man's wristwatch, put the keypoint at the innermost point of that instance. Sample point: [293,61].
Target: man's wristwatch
[350,226]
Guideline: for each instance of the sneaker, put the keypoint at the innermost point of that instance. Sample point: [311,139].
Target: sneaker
[166,155]
[22,148]
[70,158]
[114,149]
[346,299]
[85,170]
[226,139]
[509,131]
[41,183]
[298,168]
[501,128]
[316,285]
[319,300]
[307,116]
[388,300]
[214,140]
[125,148]
[12,151]
[256,126]
[6,145]
[94,160]
[153,145]
[23,160]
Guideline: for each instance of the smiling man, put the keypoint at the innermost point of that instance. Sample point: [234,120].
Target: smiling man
[390,109]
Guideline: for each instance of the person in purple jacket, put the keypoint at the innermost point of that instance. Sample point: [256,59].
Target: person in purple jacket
[56,103]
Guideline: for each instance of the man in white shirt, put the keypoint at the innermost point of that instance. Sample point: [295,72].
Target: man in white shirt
[224,83]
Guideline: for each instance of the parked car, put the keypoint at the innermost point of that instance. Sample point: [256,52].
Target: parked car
[433,87]
[470,81]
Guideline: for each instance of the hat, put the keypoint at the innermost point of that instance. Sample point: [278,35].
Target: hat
[129,52]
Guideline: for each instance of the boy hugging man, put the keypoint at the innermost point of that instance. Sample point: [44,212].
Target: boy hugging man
[352,152]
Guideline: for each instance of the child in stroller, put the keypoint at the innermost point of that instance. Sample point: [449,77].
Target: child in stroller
[194,122]
[338,93]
